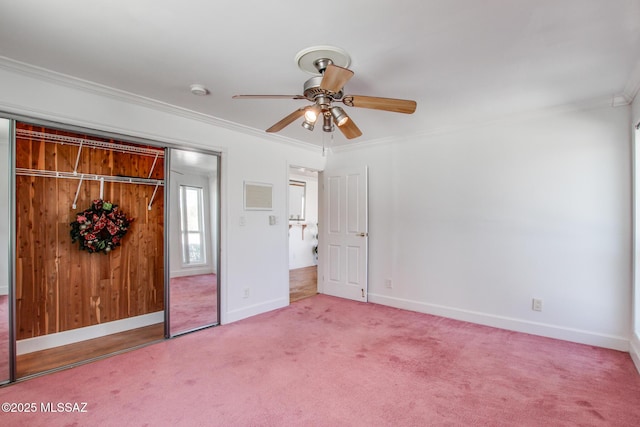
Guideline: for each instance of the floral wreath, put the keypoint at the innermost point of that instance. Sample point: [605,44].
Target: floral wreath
[100,228]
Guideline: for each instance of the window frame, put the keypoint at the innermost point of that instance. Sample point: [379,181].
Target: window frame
[185,232]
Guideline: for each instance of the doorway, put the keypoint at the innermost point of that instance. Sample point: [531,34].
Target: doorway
[193,291]
[303,233]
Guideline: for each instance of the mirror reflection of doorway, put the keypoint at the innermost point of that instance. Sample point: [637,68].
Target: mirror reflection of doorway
[193,241]
[303,233]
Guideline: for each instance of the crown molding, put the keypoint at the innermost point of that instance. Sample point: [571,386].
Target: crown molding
[590,104]
[87,86]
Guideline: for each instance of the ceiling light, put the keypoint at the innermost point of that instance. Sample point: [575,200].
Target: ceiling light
[310,117]
[199,90]
[339,115]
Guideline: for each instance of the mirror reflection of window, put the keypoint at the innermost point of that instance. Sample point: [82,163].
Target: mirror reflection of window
[297,190]
[192,225]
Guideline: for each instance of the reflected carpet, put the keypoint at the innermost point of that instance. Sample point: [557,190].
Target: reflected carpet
[193,301]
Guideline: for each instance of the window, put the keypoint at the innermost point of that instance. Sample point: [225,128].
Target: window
[192,225]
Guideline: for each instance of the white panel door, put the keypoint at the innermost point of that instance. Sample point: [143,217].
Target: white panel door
[344,239]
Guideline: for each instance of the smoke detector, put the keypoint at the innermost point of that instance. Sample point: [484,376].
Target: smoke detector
[199,90]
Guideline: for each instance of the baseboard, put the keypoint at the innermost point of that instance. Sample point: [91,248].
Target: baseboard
[44,342]
[192,272]
[252,310]
[512,324]
[634,350]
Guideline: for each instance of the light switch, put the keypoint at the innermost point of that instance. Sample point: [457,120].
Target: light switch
[243,220]
[272,220]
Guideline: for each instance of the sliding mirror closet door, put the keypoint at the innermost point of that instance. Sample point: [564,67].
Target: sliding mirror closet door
[5,169]
[193,241]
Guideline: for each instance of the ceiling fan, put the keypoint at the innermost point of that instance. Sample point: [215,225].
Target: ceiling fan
[325,89]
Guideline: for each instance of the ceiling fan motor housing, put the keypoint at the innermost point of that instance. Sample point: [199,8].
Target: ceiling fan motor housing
[312,90]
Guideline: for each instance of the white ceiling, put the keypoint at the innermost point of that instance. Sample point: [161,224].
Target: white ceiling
[463,61]
[193,163]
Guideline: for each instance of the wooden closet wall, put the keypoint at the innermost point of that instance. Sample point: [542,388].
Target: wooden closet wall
[60,287]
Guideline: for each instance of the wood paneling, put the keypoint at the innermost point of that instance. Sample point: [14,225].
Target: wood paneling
[60,287]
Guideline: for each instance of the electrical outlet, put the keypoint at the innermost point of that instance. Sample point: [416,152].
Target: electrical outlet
[388,283]
[536,304]
[245,293]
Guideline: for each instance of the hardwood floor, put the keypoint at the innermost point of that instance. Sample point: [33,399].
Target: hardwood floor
[303,283]
[57,357]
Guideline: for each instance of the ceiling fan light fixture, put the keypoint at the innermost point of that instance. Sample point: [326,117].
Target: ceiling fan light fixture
[308,125]
[310,117]
[339,115]
[327,124]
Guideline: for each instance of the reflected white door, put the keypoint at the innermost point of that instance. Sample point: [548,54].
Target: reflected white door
[345,232]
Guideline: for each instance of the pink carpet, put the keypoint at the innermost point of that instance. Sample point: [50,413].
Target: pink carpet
[194,302]
[324,361]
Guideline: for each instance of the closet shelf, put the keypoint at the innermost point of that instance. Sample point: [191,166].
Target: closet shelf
[88,176]
[87,142]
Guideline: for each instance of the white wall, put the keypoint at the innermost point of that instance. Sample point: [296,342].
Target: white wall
[635,336]
[255,255]
[475,223]
[301,250]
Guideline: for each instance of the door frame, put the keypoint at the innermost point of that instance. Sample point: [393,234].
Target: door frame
[217,241]
[318,201]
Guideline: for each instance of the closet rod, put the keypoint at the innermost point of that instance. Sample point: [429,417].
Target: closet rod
[63,139]
[88,176]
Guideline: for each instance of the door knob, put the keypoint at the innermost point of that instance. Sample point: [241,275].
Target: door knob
[362,234]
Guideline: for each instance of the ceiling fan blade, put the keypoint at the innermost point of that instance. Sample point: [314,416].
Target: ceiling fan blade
[287,120]
[268,97]
[387,104]
[334,78]
[349,129]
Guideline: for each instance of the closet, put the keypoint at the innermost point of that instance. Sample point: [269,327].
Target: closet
[97,242]
[89,246]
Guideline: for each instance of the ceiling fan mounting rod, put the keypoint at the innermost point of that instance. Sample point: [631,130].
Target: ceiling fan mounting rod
[321,64]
